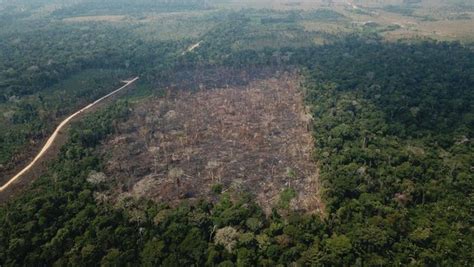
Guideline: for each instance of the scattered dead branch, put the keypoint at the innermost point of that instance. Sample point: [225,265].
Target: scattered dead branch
[243,137]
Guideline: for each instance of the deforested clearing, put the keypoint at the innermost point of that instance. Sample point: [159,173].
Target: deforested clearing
[252,138]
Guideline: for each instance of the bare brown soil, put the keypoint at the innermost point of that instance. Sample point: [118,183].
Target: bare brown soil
[250,138]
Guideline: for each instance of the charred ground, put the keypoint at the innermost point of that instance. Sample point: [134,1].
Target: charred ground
[249,136]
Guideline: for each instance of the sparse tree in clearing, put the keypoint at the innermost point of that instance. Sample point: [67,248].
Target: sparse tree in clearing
[212,166]
[291,174]
[176,174]
[145,134]
[155,151]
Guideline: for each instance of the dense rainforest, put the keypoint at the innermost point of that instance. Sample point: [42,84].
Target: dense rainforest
[36,72]
[393,124]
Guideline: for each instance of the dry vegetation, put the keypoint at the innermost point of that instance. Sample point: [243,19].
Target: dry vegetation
[174,25]
[251,138]
[440,20]
[107,18]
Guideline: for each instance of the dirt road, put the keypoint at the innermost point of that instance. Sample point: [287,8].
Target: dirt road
[53,137]
[191,48]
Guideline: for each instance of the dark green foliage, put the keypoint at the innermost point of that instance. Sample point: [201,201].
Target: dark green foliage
[44,79]
[62,205]
[286,196]
[389,125]
[393,128]
[217,188]
[323,15]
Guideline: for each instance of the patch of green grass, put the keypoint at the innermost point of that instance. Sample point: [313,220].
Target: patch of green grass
[285,198]
[217,189]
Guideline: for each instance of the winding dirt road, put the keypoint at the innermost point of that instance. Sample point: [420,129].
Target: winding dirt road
[52,138]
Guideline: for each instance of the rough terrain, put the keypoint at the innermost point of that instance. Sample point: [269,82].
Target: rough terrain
[251,138]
